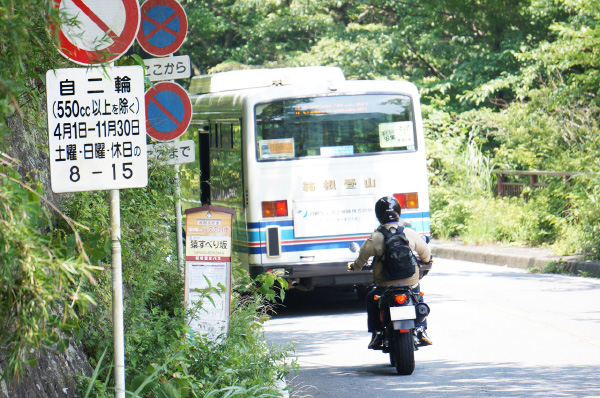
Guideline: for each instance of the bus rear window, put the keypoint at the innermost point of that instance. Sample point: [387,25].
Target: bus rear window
[334,126]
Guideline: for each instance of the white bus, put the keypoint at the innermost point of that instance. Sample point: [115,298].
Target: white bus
[303,154]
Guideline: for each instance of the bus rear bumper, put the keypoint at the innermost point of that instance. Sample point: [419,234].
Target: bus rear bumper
[309,276]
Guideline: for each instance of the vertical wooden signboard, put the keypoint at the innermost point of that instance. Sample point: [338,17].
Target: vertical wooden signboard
[208,260]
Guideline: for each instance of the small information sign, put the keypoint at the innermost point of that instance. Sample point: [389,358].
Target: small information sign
[175,152]
[97,126]
[208,260]
[168,68]
[397,134]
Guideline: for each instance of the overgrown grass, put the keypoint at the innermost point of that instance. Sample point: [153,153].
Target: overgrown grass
[561,214]
[163,358]
[552,267]
[240,364]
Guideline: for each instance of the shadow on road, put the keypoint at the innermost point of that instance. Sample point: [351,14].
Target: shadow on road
[450,379]
[319,302]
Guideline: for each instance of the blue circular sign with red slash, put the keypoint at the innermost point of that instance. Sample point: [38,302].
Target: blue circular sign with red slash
[163,27]
[168,111]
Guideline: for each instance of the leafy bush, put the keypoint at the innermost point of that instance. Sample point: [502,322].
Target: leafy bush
[159,349]
[239,364]
[42,273]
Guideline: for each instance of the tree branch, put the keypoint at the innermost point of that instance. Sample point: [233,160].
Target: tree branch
[427,64]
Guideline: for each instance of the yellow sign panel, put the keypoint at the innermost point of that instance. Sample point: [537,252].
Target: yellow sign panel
[208,236]
[277,149]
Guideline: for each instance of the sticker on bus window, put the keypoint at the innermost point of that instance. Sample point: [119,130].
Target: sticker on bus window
[397,134]
[277,149]
[341,150]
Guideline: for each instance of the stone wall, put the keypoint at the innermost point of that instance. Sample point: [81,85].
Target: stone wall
[54,376]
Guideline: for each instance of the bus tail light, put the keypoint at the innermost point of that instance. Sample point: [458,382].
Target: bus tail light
[407,200]
[276,208]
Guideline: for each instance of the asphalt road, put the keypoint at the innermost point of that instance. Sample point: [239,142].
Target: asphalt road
[497,332]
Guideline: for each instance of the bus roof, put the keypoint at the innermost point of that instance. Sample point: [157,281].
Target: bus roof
[223,95]
[255,78]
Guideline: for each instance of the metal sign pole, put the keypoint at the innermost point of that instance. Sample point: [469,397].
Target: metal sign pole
[178,223]
[117,294]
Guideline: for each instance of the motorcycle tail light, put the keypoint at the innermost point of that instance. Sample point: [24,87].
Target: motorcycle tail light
[401,298]
[376,297]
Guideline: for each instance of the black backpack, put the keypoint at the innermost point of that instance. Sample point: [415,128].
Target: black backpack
[398,260]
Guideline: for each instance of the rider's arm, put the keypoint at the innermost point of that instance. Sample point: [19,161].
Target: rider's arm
[418,244]
[367,250]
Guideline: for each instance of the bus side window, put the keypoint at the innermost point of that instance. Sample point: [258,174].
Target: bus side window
[226,163]
[214,134]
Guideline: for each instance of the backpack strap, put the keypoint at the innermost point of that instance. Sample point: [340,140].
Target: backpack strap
[387,233]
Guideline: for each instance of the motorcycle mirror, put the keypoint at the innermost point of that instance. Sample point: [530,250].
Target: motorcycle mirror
[354,247]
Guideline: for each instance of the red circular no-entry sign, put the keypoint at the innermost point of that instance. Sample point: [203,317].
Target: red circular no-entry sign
[103,32]
[168,111]
[163,27]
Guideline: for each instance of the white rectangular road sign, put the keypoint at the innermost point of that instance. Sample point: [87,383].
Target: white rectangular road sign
[176,152]
[97,128]
[168,68]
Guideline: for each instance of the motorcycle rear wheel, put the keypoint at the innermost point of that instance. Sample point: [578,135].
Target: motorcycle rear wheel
[403,352]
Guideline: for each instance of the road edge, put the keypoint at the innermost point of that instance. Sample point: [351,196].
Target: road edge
[513,257]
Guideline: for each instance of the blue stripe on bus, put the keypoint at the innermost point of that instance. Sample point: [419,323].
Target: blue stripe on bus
[262,224]
[302,247]
[287,234]
[256,234]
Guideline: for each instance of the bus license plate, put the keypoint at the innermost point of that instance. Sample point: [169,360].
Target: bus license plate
[402,313]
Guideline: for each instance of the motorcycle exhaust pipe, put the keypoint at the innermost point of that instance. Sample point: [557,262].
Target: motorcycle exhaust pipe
[422,312]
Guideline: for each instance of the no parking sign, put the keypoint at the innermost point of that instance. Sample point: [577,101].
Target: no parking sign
[163,28]
[168,111]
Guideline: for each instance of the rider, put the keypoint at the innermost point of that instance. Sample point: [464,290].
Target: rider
[387,210]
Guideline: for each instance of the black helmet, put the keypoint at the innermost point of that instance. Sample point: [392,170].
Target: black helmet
[387,209]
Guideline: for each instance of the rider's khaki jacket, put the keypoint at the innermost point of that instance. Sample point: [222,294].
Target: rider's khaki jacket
[374,247]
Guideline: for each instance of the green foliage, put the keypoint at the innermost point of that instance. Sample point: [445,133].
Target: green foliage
[240,364]
[552,267]
[163,359]
[153,287]
[42,273]
[509,85]
[548,121]
[26,52]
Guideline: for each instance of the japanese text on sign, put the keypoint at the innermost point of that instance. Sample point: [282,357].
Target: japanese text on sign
[97,126]
[177,152]
[169,68]
[397,134]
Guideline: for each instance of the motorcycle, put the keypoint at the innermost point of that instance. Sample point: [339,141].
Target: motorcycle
[400,310]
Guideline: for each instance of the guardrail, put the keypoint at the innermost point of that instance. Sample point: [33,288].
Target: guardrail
[505,188]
